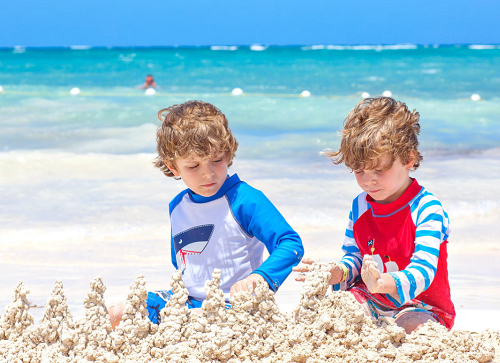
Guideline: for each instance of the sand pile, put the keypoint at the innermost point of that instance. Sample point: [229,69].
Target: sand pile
[321,328]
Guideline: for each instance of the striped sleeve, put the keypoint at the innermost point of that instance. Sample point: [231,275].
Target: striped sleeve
[352,258]
[432,229]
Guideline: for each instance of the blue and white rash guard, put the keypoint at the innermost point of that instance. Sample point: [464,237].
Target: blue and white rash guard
[229,231]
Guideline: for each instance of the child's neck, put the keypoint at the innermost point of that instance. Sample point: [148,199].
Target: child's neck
[397,194]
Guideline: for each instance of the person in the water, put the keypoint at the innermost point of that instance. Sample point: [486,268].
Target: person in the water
[149,82]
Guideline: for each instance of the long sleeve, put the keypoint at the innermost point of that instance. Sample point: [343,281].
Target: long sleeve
[432,229]
[352,258]
[259,218]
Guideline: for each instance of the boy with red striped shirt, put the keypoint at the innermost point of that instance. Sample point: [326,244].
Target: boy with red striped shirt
[395,245]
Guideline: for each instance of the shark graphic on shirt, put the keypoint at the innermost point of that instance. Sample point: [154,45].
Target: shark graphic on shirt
[191,242]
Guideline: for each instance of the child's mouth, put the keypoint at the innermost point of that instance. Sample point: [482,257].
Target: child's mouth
[208,185]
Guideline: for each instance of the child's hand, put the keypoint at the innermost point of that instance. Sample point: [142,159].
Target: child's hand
[196,311]
[336,271]
[248,284]
[371,275]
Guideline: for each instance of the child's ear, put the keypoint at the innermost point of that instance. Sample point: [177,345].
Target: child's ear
[410,160]
[172,169]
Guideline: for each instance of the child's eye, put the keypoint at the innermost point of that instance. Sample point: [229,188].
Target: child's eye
[217,161]
[193,167]
[358,172]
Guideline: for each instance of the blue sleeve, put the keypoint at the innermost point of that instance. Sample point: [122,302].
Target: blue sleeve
[259,218]
[171,206]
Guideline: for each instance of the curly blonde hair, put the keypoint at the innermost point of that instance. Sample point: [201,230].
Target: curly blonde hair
[193,128]
[378,127]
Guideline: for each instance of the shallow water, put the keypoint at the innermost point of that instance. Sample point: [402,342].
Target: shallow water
[111,116]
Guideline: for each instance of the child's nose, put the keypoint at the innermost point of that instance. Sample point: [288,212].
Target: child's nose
[370,178]
[208,171]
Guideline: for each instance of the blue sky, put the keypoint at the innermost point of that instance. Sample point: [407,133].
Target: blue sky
[240,22]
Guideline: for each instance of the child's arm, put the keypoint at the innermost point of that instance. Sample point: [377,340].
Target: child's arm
[432,229]
[352,258]
[259,218]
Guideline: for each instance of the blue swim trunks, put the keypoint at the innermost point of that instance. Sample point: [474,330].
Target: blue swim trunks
[158,299]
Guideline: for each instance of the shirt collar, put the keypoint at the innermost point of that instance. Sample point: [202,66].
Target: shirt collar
[230,182]
[398,204]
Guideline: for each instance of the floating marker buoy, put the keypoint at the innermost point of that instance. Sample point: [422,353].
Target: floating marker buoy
[75,91]
[475,97]
[150,92]
[237,92]
[365,95]
[387,94]
[305,94]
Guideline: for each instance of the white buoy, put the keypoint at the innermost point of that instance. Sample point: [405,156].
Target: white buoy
[237,92]
[75,91]
[305,94]
[150,92]
[475,97]
[387,94]
[365,95]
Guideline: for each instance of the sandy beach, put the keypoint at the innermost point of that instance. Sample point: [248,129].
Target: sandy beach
[331,328]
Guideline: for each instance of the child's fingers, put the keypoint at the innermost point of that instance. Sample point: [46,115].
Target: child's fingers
[367,258]
[301,268]
[237,287]
[249,286]
[373,267]
[308,261]
[380,283]
[300,278]
[374,272]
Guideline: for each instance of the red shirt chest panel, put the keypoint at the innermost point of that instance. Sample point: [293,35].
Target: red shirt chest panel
[392,237]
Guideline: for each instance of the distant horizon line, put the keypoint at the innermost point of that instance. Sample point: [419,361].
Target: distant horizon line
[261,46]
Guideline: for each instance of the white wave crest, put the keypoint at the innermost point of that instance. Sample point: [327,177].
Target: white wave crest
[80,47]
[483,46]
[19,49]
[224,47]
[377,48]
[314,47]
[258,47]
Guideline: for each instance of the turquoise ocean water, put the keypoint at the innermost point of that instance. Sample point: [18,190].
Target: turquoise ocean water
[437,80]
[79,196]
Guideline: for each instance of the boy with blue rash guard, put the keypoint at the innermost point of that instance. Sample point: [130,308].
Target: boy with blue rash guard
[395,244]
[219,221]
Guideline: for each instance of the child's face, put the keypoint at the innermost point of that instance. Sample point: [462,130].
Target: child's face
[386,185]
[203,177]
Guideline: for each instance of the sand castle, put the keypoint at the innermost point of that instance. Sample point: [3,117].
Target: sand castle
[321,328]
